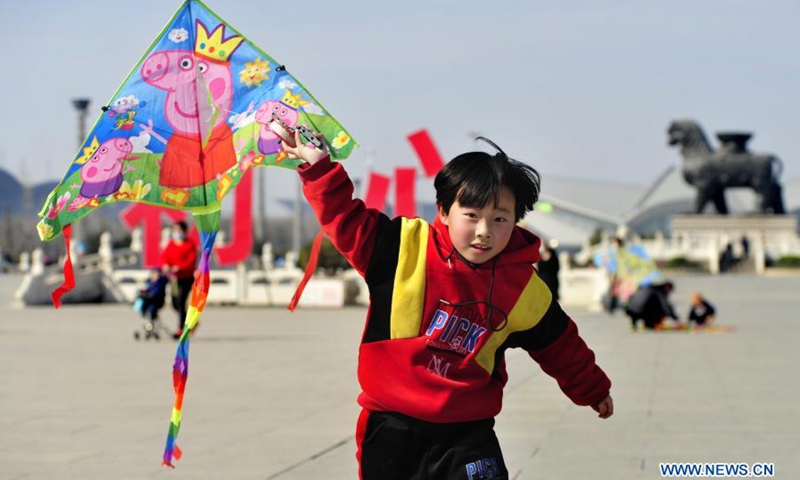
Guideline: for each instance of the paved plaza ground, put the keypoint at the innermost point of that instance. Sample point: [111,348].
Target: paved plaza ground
[271,395]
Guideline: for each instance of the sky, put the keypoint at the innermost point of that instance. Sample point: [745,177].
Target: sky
[575,88]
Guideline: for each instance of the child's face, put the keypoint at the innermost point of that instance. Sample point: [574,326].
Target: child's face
[479,234]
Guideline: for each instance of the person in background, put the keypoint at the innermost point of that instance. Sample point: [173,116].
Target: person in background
[701,312]
[153,294]
[178,263]
[549,266]
[651,305]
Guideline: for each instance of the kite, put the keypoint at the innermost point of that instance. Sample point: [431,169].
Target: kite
[186,125]
[631,267]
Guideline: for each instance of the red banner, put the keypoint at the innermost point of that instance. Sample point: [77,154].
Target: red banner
[149,218]
[405,199]
[377,191]
[427,152]
[241,242]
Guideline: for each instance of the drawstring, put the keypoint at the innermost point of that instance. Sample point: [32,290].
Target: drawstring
[449,263]
[488,302]
[473,266]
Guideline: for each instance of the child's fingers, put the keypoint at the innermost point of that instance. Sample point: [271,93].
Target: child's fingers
[605,408]
[608,408]
[290,151]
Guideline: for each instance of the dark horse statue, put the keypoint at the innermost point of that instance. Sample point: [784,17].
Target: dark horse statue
[711,172]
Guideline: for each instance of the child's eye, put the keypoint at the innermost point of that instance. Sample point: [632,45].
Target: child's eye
[500,219]
[471,215]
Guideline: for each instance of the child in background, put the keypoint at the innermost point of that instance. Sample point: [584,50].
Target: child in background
[153,294]
[446,301]
[701,312]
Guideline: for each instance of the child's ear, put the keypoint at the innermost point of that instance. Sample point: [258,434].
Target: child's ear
[442,214]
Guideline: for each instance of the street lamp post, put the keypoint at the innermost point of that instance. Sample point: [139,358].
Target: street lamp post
[81,106]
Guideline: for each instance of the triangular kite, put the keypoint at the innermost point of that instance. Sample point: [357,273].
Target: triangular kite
[182,130]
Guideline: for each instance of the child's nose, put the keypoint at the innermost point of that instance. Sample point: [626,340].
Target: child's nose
[483,229]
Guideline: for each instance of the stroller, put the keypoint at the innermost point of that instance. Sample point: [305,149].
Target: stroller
[148,303]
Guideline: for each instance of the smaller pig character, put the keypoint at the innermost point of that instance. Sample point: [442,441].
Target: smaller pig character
[102,173]
[268,142]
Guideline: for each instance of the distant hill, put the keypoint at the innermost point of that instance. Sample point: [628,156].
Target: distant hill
[10,193]
[19,201]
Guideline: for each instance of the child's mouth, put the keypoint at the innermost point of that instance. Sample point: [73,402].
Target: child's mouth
[481,248]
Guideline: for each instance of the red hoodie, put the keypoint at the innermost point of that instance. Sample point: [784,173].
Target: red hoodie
[438,327]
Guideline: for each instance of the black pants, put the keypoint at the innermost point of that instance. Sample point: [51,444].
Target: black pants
[181,289]
[392,446]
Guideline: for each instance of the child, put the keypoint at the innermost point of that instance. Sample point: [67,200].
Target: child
[153,294]
[701,312]
[447,300]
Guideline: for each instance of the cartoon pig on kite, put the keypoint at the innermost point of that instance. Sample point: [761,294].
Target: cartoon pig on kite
[286,110]
[175,71]
[102,172]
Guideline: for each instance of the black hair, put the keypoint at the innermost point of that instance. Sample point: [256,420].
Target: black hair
[182,225]
[474,178]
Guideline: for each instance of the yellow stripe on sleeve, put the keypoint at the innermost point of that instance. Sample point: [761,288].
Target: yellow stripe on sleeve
[409,280]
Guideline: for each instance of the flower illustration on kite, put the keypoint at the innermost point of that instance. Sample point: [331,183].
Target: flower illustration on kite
[60,204]
[176,72]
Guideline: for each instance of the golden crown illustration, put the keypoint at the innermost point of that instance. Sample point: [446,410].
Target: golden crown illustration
[212,46]
[293,100]
[88,151]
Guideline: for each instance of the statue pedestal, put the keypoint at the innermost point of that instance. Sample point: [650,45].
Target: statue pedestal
[714,233]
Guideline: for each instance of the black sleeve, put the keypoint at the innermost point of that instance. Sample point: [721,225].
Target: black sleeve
[544,333]
[380,278]
[383,263]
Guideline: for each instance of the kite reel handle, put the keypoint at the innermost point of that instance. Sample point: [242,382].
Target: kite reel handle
[282,130]
[286,133]
[308,137]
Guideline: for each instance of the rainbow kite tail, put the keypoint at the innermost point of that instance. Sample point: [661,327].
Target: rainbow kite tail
[208,226]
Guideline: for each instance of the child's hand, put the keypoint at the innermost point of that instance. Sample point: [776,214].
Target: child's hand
[605,408]
[306,152]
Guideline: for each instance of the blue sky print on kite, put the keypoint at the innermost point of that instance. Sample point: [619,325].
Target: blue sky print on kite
[187,123]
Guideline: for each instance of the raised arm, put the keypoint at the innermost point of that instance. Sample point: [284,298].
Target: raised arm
[350,225]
